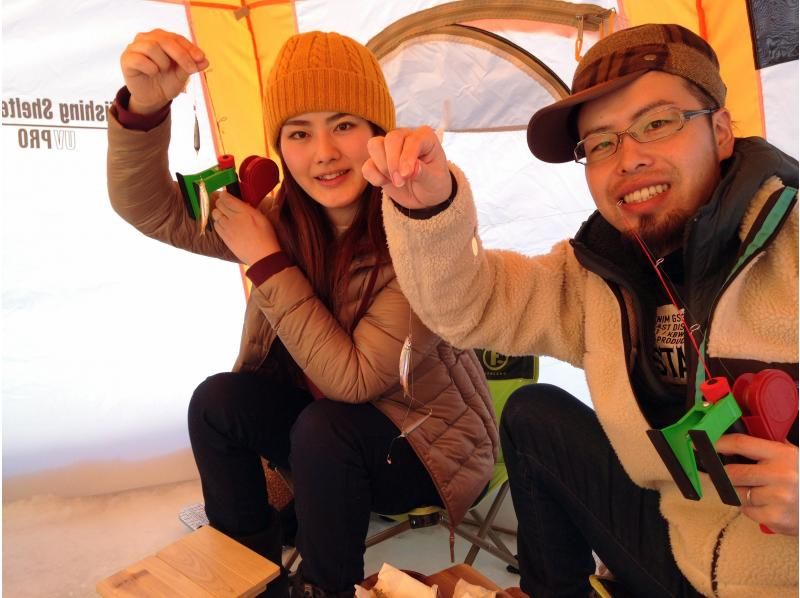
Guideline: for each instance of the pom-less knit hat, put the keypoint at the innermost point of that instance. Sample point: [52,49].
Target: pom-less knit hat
[326,72]
[612,63]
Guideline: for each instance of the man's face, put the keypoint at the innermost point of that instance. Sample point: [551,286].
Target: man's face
[654,188]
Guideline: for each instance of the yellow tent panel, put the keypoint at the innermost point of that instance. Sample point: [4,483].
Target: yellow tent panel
[725,26]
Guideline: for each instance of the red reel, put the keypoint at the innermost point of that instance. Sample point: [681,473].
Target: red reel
[768,401]
[257,177]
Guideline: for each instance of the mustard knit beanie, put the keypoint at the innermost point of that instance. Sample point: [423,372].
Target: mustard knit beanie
[326,72]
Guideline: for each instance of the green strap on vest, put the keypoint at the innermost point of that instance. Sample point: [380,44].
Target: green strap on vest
[776,215]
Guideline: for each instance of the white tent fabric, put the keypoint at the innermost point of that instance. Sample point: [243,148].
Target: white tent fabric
[105,333]
[440,73]
[780,91]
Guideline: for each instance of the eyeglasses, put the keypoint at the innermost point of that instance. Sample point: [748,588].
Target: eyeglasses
[647,128]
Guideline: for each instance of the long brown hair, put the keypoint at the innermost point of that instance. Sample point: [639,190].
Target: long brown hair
[307,235]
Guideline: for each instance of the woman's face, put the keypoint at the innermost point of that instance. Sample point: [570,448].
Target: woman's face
[324,152]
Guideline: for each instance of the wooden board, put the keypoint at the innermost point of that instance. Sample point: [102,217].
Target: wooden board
[203,564]
[150,577]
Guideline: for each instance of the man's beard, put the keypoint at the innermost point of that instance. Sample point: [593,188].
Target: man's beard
[662,233]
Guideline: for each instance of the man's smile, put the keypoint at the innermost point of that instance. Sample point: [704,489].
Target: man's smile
[644,193]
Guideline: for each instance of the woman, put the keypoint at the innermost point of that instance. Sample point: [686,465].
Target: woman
[325,319]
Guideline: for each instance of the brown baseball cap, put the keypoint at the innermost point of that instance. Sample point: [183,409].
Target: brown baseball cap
[612,63]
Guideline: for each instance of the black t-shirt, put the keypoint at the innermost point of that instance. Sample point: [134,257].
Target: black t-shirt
[662,398]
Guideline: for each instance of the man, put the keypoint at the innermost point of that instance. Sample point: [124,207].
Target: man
[677,198]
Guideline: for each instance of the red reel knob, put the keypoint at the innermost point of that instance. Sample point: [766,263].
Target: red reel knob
[226,161]
[715,389]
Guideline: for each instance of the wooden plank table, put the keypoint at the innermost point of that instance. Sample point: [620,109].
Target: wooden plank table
[203,564]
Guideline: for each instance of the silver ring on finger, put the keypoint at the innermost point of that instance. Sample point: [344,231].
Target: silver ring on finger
[748,499]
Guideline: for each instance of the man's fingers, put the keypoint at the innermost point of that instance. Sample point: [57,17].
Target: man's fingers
[398,155]
[748,446]
[403,157]
[394,144]
[746,496]
[373,175]
[418,147]
[410,160]
[377,154]
[747,475]
[405,149]
[766,505]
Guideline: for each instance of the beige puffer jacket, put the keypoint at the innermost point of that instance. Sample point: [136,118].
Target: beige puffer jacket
[458,444]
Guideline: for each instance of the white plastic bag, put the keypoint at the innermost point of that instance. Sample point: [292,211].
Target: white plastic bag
[393,583]
[464,589]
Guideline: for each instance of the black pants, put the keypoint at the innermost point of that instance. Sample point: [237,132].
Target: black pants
[337,455]
[572,496]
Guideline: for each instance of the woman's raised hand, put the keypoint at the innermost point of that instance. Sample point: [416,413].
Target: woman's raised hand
[156,66]
[410,166]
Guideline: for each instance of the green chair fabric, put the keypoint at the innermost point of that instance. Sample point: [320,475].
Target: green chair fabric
[504,374]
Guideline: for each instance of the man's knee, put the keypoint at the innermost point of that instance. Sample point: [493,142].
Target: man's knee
[535,406]
[533,414]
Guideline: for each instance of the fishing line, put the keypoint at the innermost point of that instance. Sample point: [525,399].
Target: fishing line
[662,277]
[406,353]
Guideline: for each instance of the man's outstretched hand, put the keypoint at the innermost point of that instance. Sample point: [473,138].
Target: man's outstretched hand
[410,166]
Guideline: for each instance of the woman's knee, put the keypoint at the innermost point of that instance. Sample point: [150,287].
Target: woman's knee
[211,400]
[317,425]
[326,434]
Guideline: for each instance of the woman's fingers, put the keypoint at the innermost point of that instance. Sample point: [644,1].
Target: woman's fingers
[156,66]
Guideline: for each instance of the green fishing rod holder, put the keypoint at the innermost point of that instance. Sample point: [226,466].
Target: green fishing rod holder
[222,174]
[691,440]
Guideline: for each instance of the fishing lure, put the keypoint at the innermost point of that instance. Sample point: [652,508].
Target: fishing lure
[196,133]
[196,122]
[405,364]
[406,381]
[205,206]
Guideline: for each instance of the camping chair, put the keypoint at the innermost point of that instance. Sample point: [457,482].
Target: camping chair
[505,374]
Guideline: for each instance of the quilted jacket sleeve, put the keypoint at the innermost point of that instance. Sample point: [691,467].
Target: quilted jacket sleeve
[355,367]
[143,193]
